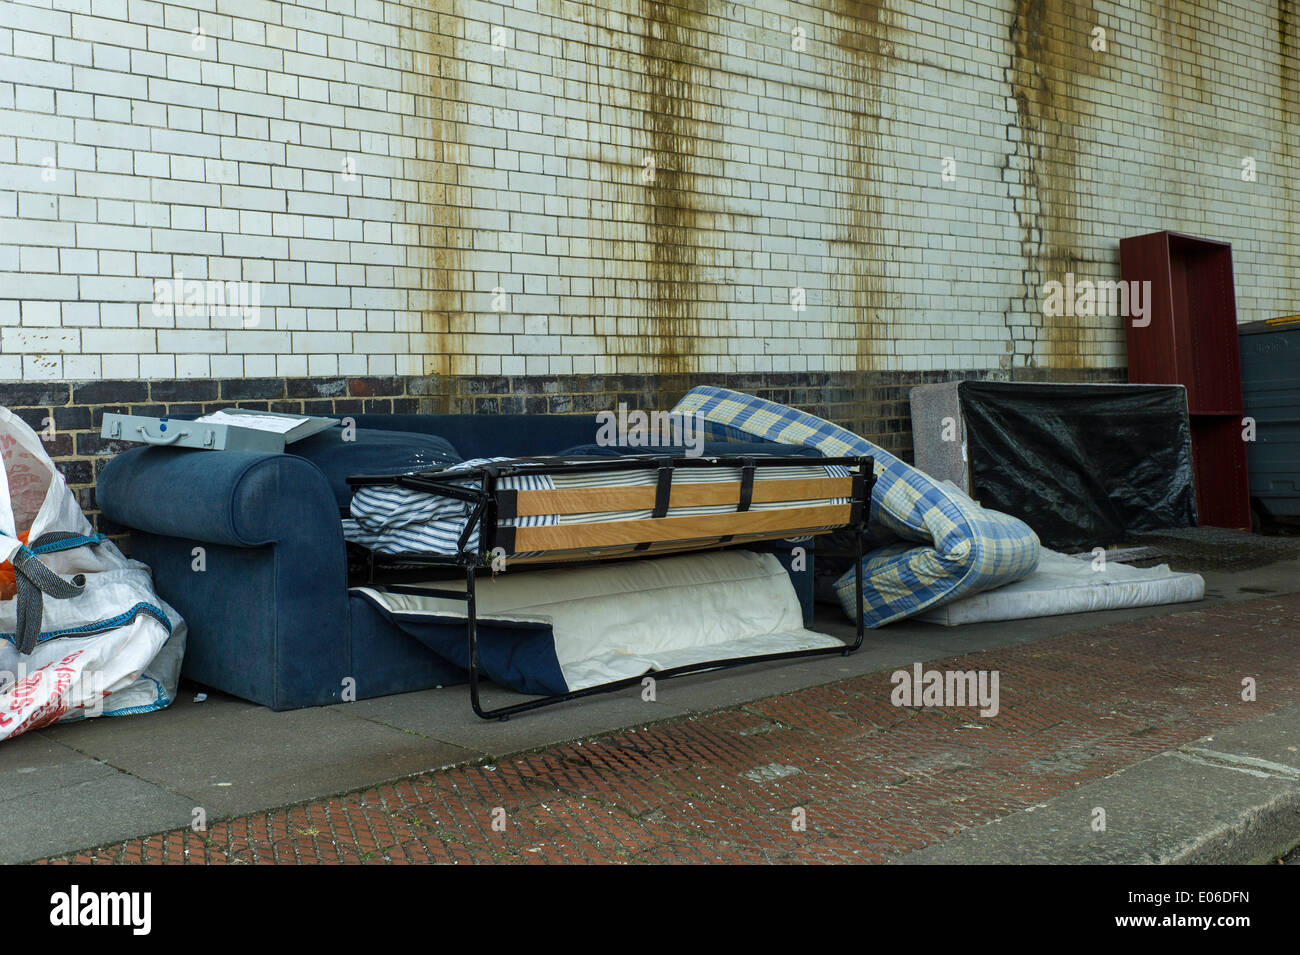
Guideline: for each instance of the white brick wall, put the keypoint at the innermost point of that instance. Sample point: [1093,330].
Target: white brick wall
[381,167]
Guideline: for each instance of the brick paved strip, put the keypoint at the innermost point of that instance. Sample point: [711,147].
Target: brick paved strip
[871,779]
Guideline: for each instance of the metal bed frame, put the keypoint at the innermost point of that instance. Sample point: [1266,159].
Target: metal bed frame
[487,501]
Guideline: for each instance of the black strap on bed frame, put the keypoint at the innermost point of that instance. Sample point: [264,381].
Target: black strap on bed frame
[860,499]
[746,492]
[663,487]
[746,485]
[663,494]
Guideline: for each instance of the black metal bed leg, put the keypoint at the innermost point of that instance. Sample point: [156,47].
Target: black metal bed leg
[471,627]
[867,466]
[857,596]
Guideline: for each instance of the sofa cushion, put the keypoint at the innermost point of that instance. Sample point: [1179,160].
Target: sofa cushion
[964,548]
[371,452]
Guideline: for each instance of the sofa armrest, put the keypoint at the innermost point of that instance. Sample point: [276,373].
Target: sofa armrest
[236,498]
[268,609]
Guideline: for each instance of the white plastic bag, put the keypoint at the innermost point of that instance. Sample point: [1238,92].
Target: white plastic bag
[107,644]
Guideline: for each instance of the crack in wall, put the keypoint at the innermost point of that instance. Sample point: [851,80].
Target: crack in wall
[1050,53]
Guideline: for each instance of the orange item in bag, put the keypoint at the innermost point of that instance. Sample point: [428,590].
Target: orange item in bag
[9,585]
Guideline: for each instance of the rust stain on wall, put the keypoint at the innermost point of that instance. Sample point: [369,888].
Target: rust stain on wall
[656,241]
[1289,60]
[1190,57]
[860,246]
[1199,73]
[680,134]
[1288,23]
[1051,53]
[433,199]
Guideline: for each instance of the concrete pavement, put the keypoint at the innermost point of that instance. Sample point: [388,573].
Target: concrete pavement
[1229,798]
[909,772]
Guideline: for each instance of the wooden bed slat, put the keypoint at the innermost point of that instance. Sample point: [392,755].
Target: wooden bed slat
[786,522]
[655,550]
[597,500]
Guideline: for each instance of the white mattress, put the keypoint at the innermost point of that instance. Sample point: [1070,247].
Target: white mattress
[1064,584]
[633,617]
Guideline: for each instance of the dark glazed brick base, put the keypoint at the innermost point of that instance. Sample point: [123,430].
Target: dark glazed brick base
[873,404]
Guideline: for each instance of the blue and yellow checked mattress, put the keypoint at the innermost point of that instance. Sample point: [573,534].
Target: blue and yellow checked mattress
[949,547]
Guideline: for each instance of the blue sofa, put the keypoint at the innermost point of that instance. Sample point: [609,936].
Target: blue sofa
[249,548]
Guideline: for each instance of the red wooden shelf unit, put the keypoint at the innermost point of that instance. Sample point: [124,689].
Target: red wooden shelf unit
[1192,341]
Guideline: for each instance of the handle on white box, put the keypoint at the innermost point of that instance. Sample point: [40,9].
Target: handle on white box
[161,440]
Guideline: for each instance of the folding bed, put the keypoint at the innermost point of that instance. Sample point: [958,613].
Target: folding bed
[576,511]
